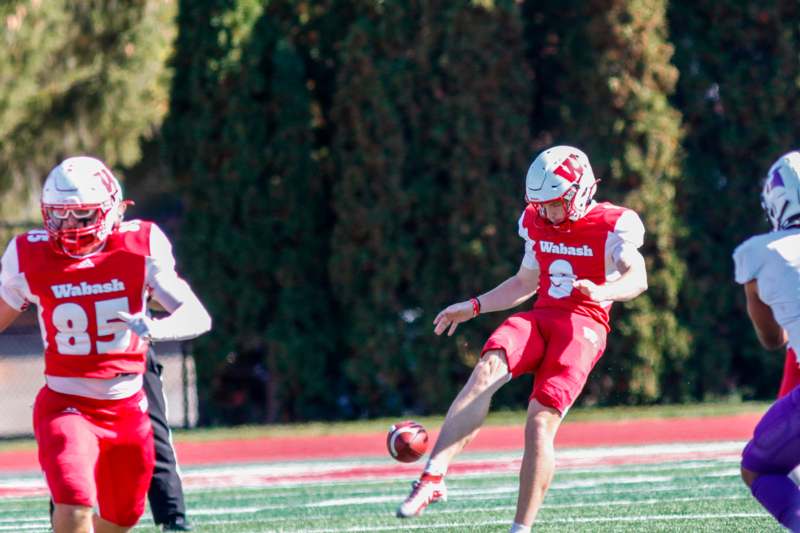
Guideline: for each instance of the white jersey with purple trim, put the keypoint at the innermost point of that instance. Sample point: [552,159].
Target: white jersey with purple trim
[773,260]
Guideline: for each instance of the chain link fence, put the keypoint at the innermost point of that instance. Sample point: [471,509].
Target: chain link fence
[22,375]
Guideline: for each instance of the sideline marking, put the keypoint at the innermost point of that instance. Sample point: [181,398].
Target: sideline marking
[298,473]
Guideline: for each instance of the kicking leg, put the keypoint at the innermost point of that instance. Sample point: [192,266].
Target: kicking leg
[469,409]
[463,420]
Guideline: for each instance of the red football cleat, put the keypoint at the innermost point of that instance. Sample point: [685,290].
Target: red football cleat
[429,489]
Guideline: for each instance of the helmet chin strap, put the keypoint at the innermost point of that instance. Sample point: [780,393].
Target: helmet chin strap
[777,224]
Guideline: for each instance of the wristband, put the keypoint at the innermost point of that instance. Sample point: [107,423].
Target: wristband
[476,306]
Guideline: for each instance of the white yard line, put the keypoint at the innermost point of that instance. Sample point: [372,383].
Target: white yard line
[297,473]
[473,524]
[41,525]
[627,472]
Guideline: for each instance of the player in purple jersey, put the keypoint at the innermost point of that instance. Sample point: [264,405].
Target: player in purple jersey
[768,266]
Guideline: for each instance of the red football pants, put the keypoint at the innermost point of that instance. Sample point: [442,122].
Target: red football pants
[558,347]
[791,373]
[96,452]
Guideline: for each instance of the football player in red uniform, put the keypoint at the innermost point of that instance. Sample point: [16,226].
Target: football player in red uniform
[89,274]
[580,256]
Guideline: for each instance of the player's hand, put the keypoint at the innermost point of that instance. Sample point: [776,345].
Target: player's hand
[139,323]
[596,292]
[452,316]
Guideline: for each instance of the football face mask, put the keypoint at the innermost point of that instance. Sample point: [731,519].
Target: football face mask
[80,199]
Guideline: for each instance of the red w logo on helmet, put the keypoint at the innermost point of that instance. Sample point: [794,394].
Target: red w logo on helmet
[106,179]
[569,169]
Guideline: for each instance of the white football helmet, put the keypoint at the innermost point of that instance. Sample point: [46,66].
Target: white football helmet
[780,195]
[561,173]
[84,189]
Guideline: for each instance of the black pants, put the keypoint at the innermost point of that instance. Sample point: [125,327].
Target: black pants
[166,490]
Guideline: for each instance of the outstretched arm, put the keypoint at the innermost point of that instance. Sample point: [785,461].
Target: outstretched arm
[188,317]
[628,286]
[770,334]
[512,292]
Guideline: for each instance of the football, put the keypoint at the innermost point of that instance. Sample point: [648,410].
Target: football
[407,441]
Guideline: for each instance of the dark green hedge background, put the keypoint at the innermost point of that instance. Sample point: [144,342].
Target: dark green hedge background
[335,172]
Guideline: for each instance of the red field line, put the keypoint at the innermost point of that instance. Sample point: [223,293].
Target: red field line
[301,472]
[571,434]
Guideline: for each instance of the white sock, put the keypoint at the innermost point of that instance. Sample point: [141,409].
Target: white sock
[436,467]
[519,528]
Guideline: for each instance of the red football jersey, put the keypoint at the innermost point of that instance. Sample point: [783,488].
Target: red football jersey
[586,249]
[78,298]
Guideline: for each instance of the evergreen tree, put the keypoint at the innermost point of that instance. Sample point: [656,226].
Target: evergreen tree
[284,220]
[208,47]
[738,90]
[242,140]
[432,143]
[604,80]
[77,78]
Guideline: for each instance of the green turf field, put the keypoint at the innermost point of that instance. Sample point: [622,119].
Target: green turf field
[691,496]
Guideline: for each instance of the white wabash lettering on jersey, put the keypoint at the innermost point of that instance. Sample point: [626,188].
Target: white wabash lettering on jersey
[159,277]
[592,248]
[67,290]
[549,247]
[628,233]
